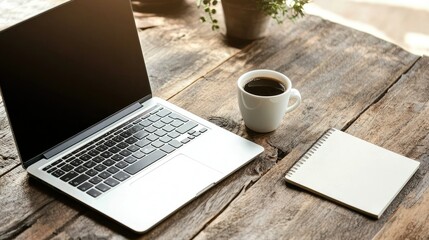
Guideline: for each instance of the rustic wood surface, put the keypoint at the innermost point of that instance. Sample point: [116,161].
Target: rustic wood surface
[349,80]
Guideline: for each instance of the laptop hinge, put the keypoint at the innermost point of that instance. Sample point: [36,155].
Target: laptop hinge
[91,130]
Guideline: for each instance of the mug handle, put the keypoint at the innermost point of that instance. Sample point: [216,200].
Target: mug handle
[294,94]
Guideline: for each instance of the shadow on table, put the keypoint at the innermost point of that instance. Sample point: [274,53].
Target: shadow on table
[82,210]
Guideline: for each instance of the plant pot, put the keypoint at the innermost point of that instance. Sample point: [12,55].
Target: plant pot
[244,20]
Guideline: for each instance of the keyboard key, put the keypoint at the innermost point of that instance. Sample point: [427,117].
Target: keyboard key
[122,145]
[100,167]
[112,169]
[165,139]
[140,135]
[150,129]
[144,162]
[125,134]
[130,159]
[154,118]
[89,164]
[203,130]
[118,139]
[167,120]
[138,154]
[157,144]
[110,143]
[168,128]
[58,173]
[67,168]
[186,127]
[147,149]
[104,175]
[176,123]
[133,148]
[131,140]
[52,170]
[191,132]
[114,149]
[135,129]
[77,181]
[106,154]
[145,123]
[102,187]
[101,148]
[108,162]
[159,124]
[69,176]
[196,134]
[93,153]
[121,176]
[167,148]
[143,142]
[85,157]
[174,134]
[95,180]
[117,157]
[186,140]
[175,143]
[76,162]
[85,186]
[94,193]
[125,153]
[91,172]
[122,164]
[98,159]
[80,169]
[152,137]
[61,164]
[160,132]
[47,168]
[111,182]
[163,113]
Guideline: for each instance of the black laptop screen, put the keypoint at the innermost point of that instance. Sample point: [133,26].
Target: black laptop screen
[69,68]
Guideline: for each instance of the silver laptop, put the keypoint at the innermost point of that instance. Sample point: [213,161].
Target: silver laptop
[78,99]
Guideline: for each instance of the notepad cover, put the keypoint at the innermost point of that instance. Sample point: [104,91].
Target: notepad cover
[352,172]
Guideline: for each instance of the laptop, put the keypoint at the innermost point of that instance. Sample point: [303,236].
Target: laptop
[79,102]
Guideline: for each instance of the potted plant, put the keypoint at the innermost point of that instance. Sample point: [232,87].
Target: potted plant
[249,19]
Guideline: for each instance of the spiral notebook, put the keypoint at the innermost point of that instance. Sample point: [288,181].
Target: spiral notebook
[352,172]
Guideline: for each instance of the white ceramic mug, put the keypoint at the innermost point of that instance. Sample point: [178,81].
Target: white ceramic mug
[265,113]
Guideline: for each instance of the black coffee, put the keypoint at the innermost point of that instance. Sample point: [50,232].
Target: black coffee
[264,86]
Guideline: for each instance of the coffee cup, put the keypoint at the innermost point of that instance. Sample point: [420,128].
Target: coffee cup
[263,98]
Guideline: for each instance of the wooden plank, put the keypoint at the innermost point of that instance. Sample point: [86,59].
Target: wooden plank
[272,209]
[309,52]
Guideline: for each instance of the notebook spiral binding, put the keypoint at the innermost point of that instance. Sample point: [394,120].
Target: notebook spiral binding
[309,152]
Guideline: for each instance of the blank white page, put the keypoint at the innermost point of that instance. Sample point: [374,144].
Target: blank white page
[353,172]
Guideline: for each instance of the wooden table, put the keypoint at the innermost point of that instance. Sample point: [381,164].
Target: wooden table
[348,80]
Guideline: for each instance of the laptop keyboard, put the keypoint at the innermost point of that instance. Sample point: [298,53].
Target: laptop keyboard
[107,161]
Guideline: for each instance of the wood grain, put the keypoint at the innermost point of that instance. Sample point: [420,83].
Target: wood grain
[330,101]
[273,210]
[348,80]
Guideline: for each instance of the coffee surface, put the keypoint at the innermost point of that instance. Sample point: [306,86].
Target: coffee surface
[264,86]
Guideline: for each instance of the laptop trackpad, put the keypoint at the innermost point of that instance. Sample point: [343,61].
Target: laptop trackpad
[172,184]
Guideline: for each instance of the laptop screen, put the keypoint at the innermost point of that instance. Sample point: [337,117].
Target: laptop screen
[69,68]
